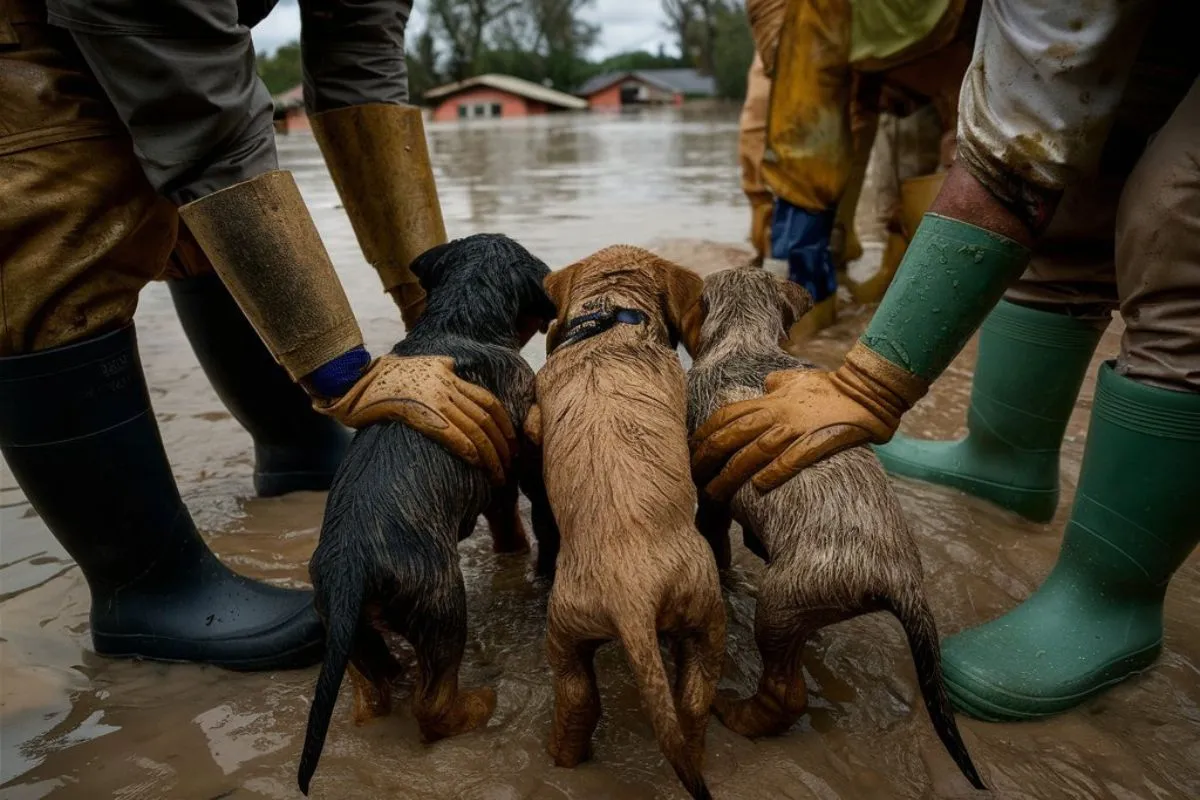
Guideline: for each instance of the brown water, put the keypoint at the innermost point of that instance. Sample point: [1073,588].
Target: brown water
[76,726]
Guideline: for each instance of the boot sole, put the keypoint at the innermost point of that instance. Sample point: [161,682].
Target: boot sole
[277,484]
[989,703]
[120,646]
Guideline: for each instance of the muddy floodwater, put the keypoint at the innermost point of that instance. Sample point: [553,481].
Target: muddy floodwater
[76,726]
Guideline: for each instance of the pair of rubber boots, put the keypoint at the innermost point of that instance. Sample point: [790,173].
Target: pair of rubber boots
[1098,617]
[78,432]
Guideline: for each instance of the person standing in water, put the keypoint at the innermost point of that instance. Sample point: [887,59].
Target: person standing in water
[122,124]
[1033,121]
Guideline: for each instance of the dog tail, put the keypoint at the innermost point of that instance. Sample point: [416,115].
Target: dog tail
[917,620]
[645,660]
[345,608]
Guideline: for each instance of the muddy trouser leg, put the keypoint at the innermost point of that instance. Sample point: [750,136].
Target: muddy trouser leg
[81,231]
[751,142]
[1098,617]
[1034,351]
[295,448]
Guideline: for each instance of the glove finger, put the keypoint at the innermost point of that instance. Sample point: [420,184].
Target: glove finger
[712,451]
[488,425]
[775,380]
[746,462]
[723,417]
[480,451]
[807,451]
[492,407]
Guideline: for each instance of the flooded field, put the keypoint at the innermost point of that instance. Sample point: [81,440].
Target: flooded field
[76,726]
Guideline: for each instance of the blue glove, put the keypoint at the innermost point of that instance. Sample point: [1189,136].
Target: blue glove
[801,237]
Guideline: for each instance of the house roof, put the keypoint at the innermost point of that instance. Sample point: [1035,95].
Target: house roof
[292,98]
[684,81]
[512,85]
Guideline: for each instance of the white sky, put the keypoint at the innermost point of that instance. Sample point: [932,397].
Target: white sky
[624,25]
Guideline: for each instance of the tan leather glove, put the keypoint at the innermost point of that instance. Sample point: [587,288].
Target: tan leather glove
[805,416]
[425,394]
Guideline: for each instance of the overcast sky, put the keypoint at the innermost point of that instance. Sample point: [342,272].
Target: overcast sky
[624,25]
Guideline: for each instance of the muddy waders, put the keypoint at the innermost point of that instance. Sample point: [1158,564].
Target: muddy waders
[379,162]
[1031,365]
[78,432]
[1098,618]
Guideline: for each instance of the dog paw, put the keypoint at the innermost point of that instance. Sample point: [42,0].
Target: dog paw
[754,716]
[569,756]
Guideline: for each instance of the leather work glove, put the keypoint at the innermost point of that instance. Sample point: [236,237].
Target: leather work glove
[425,394]
[805,416]
[802,238]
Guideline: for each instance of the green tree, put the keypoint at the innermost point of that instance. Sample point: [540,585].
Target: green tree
[733,51]
[282,70]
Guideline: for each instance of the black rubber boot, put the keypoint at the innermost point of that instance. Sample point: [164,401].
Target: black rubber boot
[295,448]
[77,430]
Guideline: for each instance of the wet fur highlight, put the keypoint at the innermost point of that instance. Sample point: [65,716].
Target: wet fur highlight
[835,540]
[632,565]
[387,559]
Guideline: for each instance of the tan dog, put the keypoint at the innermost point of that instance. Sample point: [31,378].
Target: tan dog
[612,401]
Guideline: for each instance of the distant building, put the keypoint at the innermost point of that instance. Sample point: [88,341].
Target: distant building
[617,90]
[289,111]
[490,96]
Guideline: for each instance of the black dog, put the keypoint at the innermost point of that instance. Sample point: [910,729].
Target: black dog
[399,505]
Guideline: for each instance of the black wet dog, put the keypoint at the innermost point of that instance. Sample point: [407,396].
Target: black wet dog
[399,505]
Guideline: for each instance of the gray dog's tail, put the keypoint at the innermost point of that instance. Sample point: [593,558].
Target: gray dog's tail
[645,661]
[917,620]
[345,603]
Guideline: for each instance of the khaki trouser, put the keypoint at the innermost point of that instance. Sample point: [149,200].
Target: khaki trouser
[81,229]
[752,138]
[1150,269]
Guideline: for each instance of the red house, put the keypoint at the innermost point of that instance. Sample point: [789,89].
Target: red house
[490,96]
[289,111]
[645,87]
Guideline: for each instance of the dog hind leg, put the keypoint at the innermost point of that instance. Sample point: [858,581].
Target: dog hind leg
[504,520]
[576,699]
[698,659]
[782,697]
[436,627]
[372,669]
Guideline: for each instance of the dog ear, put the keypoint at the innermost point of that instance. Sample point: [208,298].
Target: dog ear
[558,290]
[428,266]
[684,311]
[540,305]
[794,301]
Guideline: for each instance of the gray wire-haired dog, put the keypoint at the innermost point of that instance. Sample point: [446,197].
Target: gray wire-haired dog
[834,538]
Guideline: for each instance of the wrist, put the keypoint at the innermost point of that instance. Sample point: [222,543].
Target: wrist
[337,376]
[878,385]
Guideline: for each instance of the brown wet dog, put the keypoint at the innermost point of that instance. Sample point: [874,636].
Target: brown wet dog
[834,538]
[612,400]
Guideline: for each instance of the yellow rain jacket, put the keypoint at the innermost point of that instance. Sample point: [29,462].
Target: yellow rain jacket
[812,49]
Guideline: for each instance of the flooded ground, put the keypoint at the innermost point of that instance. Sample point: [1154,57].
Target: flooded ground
[76,726]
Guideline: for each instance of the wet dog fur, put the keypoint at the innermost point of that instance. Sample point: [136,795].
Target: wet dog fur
[387,558]
[834,537]
[632,565]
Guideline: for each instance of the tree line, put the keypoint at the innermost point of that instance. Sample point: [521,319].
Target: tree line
[547,41]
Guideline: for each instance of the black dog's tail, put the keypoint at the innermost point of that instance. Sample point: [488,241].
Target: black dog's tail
[344,608]
[917,620]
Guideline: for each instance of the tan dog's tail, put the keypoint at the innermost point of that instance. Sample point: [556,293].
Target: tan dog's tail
[917,620]
[645,660]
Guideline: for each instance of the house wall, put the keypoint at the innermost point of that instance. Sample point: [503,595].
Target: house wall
[610,98]
[606,98]
[510,104]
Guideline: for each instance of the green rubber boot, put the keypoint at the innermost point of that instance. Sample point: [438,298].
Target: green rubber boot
[1030,367]
[1098,618]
